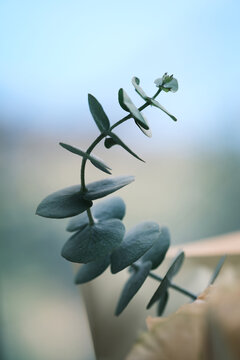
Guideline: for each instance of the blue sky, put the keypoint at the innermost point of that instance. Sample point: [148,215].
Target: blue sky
[54,52]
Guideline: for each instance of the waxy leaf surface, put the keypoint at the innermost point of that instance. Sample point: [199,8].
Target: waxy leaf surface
[98,114]
[127,104]
[113,208]
[162,303]
[132,286]
[172,271]
[148,132]
[136,242]
[94,241]
[63,203]
[94,160]
[101,188]
[139,90]
[157,252]
[156,104]
[118,141]
[90,271]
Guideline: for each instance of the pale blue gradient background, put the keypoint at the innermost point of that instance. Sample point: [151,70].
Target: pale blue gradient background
[54,52]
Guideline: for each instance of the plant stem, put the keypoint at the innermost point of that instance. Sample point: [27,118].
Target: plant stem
[90,217]
[96,142]
[89,150]
[174,286]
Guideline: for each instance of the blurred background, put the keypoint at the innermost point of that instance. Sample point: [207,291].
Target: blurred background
[53,53]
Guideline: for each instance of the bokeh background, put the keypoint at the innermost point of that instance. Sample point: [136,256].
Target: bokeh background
[52,54]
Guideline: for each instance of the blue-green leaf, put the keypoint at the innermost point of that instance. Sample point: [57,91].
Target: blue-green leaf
[217,269]
[139,90]
[90,271]
[101,188]
[118,141]
[98,113]
[160,292]
[176,265]
[156,104]
[148,132]
[113,208]
[94,241]
[63,203]
[94,160]
[162,303]
[166,281]
[127,104]
[132,286]
[157,252]
[136,242]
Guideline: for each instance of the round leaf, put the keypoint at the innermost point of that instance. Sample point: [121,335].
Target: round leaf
[132,286]
[98,113]
[94,241]
[157,252]
[113,208]
[99,189]
[63,203]
[90,271]
[136,242]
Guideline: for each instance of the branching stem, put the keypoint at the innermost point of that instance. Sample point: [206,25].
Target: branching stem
[96,142]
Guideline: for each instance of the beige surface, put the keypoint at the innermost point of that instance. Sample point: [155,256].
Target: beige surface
[227,244]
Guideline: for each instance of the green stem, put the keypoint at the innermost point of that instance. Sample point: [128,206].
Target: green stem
[174,286]
[96,142]
[90,217]
[157,93]
[89,150]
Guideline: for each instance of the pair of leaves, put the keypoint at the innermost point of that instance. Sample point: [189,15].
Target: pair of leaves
[94,241]
[131,249]
[113,208]
[165,283]
[103,124]
[171,85]
[94,160]
[127,105]
[71,201]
